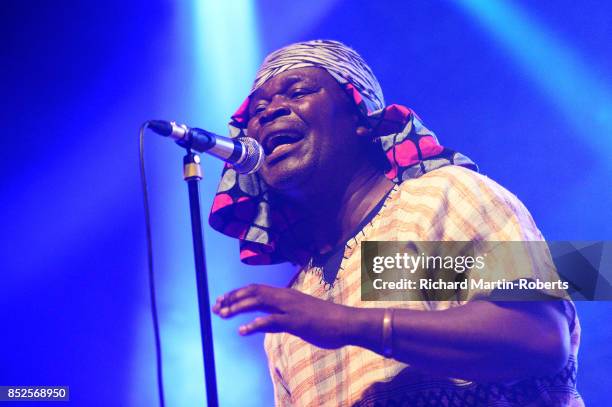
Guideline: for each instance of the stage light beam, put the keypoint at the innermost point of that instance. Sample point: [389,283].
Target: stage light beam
[582,96]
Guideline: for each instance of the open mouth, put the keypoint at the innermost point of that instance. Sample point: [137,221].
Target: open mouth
[280,141]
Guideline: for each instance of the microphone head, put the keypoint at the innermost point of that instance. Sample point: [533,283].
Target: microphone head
[254,156]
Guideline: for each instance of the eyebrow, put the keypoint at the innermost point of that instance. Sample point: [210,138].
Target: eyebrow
[285,83]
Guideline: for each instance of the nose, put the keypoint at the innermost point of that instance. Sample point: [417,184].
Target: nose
[274,110]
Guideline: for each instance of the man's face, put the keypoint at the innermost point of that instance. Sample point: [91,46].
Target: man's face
[306,124]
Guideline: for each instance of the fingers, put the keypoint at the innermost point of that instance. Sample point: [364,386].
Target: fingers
[254,297]
[227,299]
[245,305]
[270,323]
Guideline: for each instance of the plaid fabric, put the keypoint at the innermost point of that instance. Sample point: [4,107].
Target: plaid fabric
[451,204]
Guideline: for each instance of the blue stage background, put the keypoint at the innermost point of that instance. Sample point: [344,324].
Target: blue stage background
[524,88]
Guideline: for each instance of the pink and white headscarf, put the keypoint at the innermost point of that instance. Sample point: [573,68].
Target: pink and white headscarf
[242,206]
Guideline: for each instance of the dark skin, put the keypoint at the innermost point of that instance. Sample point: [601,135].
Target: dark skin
[324,168]
[327,172]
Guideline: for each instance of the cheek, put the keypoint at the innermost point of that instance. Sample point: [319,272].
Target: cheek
[319,109]
[252,128]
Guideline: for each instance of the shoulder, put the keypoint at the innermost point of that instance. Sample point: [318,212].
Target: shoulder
[453,179]
[460,184]
[467,198]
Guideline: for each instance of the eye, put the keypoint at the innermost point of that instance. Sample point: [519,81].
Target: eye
[258,109]
[300,92]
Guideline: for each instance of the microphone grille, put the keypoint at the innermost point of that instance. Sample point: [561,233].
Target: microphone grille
[253,158]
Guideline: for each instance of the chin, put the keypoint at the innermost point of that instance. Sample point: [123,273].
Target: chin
[290,175]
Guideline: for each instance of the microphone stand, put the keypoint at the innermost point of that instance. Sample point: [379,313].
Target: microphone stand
[192,173]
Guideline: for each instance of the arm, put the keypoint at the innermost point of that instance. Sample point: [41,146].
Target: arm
[480,341]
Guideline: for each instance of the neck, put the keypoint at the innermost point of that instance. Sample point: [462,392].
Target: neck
[332,218]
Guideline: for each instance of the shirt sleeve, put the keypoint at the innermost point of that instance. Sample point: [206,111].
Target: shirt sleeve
[514,248]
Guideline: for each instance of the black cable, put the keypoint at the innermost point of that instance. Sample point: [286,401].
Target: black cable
[145,195]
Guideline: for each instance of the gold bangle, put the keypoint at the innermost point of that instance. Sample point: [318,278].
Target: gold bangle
[387,333]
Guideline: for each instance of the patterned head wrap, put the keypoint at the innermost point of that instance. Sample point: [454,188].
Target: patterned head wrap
[242,206]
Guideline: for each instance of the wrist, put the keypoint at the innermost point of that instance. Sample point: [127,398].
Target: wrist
[363,328]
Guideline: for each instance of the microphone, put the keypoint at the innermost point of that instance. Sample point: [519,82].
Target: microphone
[245,154]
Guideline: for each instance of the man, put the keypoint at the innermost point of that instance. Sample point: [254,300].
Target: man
[342,168]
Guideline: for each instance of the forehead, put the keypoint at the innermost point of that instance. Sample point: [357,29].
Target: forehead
[312,76]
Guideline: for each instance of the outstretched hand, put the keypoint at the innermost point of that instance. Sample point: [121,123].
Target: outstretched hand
[322,323]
